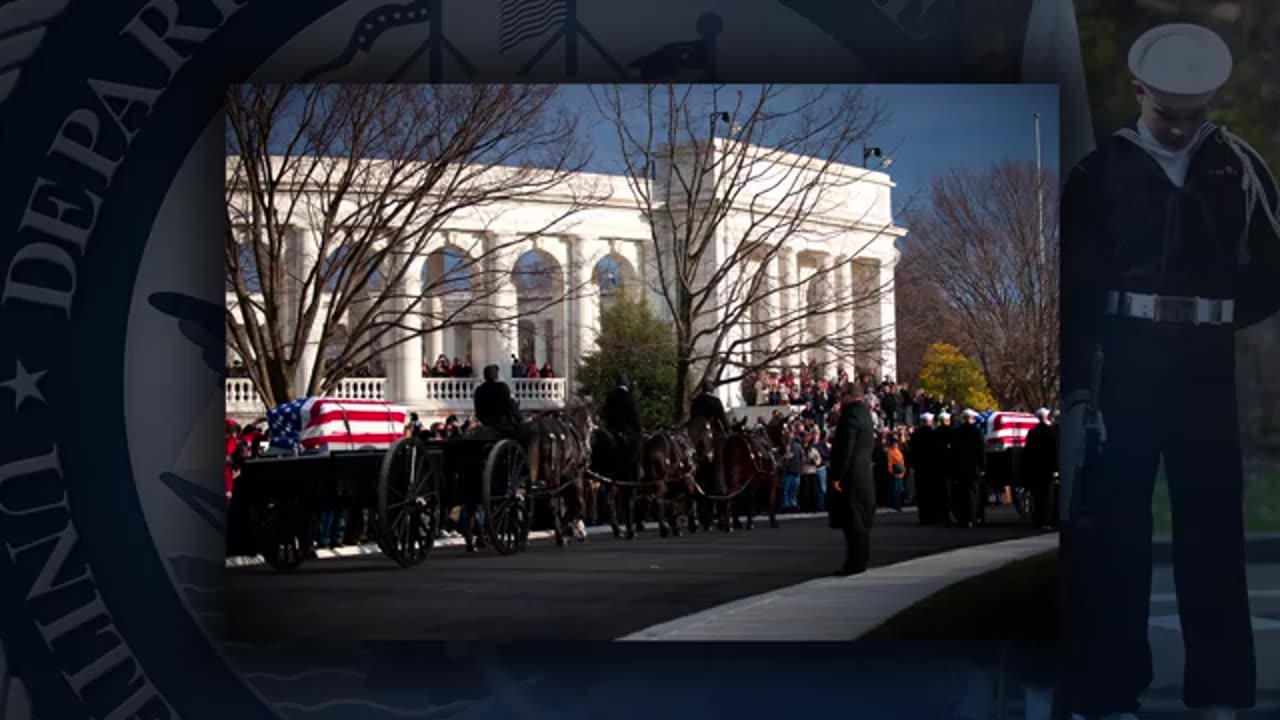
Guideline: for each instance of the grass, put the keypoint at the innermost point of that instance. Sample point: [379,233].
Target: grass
[1261,503]
[1016,603]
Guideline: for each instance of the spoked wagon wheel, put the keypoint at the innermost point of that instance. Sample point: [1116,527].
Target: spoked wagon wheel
[408,504]
[1023,502]
[284,535]
[508,506]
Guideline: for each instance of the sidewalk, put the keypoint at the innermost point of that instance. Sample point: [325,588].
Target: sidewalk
[1164,700]
[844,608]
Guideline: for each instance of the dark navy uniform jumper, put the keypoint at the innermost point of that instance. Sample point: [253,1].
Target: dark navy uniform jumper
[1161,277]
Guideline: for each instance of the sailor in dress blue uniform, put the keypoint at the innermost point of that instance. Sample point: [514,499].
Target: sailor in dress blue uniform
[1170,245]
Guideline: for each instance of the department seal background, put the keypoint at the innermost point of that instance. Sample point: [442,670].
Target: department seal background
[110,479]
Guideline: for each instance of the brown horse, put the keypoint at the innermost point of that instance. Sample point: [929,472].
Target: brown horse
[672,459]
[559,453]
[752,458]
[709,512]
[661,480]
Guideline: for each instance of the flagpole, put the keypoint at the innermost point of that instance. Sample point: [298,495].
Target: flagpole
[1041,270]
[1039,195]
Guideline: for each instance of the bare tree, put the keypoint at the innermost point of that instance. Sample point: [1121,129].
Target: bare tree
[979,243]
[923,317]
[376,173]
[728,180]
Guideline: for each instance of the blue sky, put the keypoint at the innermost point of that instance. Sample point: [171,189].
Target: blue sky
[934,128]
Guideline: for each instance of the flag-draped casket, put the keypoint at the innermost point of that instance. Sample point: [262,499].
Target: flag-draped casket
[311,424]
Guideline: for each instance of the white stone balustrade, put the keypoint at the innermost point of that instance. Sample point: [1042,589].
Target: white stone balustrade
[361,389]
[242,397]
[440,396]
[539,393]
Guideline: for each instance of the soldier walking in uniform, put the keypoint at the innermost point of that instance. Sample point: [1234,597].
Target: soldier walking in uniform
[930,497]
[967,449]
[942,453]
[851,501]
[1170,244]
[1039,465]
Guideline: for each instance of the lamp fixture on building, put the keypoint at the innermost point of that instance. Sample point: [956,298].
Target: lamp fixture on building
[870,152]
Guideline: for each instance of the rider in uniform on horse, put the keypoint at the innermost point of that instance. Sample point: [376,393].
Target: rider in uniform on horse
[706,406]
[621,418]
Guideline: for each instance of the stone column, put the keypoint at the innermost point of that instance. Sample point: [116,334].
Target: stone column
[842,277]
[540,340]
[866,316]
[433,307]
[794,329]
[586,323]
[404,369]
[302,255]
[886,315]
[773,303]
[503,334]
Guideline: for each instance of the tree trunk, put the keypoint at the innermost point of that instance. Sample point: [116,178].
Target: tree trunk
[680,399]
[279,384]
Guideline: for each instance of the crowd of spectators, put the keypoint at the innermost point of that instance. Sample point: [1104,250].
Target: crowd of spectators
[807,386]
[446,368]
[443,367]
[530,368]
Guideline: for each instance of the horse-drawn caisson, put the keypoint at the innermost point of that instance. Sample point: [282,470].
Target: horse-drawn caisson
[336,455]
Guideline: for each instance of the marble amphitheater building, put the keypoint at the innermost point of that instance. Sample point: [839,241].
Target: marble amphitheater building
[606,250]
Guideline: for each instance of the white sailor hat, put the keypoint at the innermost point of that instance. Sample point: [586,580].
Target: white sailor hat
[926,416]
[944,416]
[1182,65]
[970,412]
[1042,412]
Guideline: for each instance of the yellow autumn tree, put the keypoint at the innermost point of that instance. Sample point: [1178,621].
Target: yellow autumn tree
[946,373]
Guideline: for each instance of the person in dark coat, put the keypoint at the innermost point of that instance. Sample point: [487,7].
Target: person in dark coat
[942,441]
[1170,246]
[1039,465]
[707,406]
[931,497]
[621,419]
[851,498]
[968,450]
[889,404]
[621,412]
[495,408]
[880,471]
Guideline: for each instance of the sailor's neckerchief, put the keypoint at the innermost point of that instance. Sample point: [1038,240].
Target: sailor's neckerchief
[1176,162]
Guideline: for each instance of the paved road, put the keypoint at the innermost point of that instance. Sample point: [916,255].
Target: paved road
[1167,649]
[600,590]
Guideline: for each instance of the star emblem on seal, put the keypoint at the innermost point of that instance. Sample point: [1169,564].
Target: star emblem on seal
[24,385]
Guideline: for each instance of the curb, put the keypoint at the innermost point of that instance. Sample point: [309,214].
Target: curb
[370,549]
[1262,548]
[829,609]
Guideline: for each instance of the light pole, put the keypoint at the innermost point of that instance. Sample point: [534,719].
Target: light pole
[1039,196]
[1041,270]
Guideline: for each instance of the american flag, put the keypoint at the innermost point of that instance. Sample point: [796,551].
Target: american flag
[522,20]
[330,424]
[1007,429]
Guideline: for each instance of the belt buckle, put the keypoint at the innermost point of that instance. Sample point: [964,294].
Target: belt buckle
[1155,308]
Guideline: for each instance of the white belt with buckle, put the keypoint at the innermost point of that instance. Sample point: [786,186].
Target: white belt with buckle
[1170,309]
